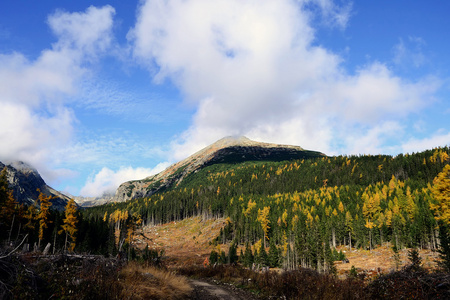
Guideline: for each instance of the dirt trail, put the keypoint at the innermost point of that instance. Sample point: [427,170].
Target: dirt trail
[207,291]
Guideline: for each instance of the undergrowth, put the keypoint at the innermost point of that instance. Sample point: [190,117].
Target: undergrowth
[299,284]
[409,283]
[86,277]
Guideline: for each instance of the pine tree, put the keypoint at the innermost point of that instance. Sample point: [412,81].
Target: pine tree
[261,257]
[213,257]
[414,258]
[248,256]
[274,256]
[232,254]
[441,192]
[444,248]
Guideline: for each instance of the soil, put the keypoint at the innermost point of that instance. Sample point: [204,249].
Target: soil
[205,290]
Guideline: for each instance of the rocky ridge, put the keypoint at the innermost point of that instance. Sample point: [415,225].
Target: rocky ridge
[24,180]
[226,150]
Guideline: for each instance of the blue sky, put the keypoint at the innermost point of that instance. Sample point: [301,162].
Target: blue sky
[95,93]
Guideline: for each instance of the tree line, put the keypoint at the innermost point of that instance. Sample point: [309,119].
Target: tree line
[39,224]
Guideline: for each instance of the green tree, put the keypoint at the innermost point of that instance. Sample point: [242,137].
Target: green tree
[441,207]
[248,256]
[444,248]
[213,257]
[274,256]
[415,259]
[262,258]
[232,254]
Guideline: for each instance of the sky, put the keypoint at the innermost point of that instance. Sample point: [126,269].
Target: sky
[96,93]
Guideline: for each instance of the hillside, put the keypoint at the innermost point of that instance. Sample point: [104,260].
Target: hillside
[227,150]
[24,180]
[303,209]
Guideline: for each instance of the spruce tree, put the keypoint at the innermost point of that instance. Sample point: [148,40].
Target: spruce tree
[274,256]
[444,248]
[248,256]
[262,257]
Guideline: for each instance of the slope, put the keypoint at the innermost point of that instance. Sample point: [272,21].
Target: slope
[227,150]
[24,180]
[306,208]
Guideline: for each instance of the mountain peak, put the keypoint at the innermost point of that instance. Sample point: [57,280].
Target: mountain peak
[233,140]
[24,180]
[231,149]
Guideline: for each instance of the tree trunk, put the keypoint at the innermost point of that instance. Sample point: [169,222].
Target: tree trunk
[349,241]
[54,242]
[12,226]
[333,236]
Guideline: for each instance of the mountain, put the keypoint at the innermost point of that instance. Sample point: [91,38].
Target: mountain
[226,150]
[93,201]
[24,180]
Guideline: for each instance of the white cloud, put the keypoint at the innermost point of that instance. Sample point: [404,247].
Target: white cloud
[89,31]
[253,69]
[107,180]
[410,53]
[439,139]
[332,14]
[36,122]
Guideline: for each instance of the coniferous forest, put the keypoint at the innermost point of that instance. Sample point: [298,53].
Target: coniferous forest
[288,214]
[303,209]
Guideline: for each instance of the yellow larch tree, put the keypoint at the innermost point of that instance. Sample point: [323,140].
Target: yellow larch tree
[441,193]
[263,218]
[70,224]
[44,214]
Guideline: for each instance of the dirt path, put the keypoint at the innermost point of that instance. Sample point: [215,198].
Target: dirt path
[208,291]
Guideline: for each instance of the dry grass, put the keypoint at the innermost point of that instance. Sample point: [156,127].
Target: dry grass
[140,282]
[381,260]
[185,242]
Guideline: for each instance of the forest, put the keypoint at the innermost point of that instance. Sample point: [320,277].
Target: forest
[289,214]
[303,209]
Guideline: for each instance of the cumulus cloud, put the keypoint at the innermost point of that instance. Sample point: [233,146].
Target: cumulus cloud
[107,180]
[253,68]
[33,93]
[440,138]
[89,31]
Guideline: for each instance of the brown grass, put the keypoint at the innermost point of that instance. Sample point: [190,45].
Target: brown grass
[140,282]
[185,242]
[381,260]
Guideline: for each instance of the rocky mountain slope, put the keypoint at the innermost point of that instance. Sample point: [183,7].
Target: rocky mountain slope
[24,180]
[226,150]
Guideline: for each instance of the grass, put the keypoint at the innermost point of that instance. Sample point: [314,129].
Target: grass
[139,282]
[86,277]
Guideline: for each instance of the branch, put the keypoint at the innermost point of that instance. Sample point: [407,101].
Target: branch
[15,249]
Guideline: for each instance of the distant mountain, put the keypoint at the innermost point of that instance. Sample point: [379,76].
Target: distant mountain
[226,150]
[93,201]
[24,180]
